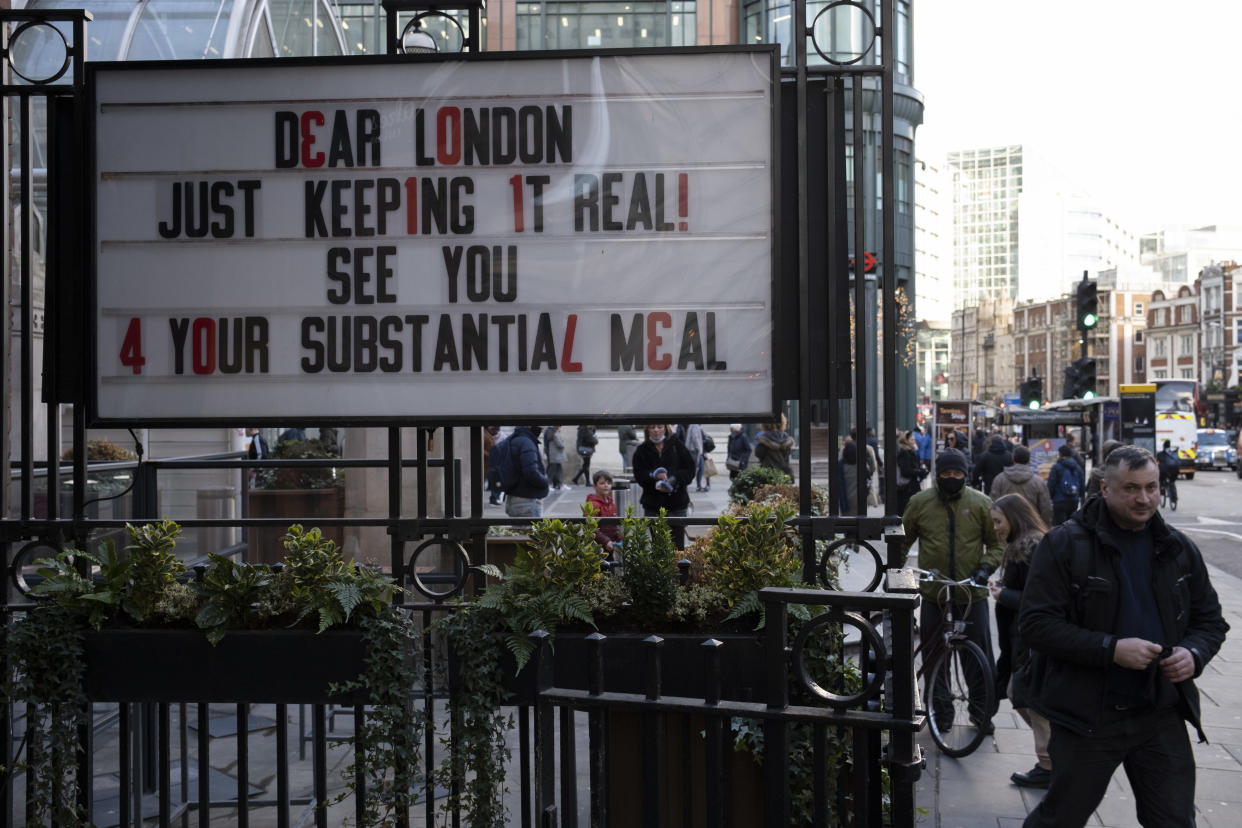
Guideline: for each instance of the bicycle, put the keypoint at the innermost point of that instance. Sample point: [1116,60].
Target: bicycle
[960,686]
[1168,493]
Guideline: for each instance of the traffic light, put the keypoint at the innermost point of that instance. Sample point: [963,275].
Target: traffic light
[1080,379]
[1032,393]
[1088,306]
[1086,378]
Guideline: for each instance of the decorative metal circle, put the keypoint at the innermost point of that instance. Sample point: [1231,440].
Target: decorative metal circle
[847,18]
[40,47]
[870,637]
[462,569]
[834,548]
[432,32]
[23,564]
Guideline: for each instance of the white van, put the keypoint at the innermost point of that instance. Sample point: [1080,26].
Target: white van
[1182,433]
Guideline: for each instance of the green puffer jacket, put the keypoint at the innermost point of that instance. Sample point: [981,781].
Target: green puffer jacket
[972,544]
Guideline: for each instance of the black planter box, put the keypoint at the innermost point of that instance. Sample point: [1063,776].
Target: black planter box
[682,670]
[247,666]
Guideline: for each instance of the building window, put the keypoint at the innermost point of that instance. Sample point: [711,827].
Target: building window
[1139,365]
[903,38]
[1138,308]
[591,25]
[1161,375]
[905,183]
[1237,331]
[1138,336]
[1188,373]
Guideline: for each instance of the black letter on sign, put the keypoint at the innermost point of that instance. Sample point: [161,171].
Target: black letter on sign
[691,346]
[544,352]
[627,352]
[179,328]
[315,224]
[286,139]
[312,364]
[446,348]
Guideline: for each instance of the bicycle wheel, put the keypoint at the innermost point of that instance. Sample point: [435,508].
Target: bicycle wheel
[961,697]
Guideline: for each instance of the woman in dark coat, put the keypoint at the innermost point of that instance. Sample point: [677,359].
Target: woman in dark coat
[663,468]
[1021,529]
[847,471]
[909,471]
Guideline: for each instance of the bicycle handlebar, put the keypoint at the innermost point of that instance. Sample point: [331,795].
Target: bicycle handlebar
[933,576]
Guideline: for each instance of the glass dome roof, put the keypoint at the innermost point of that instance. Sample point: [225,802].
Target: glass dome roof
[205,29]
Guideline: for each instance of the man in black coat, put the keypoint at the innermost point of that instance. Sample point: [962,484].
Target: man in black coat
[990,463]
[1119,608]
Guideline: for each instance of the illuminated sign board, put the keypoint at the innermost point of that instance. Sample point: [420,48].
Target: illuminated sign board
[590,237]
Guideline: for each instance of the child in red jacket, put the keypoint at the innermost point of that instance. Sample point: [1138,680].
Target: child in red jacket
[601,504]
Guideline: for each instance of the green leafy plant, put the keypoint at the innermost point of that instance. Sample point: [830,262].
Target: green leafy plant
[315,581]
[650,567]
[230,592]
[772,494]
[144,586]
[392,729]
[557,580]
[474,768]
[132,584]
[743,556]
[45,650]
[103,451]
[742,490]
[297,477]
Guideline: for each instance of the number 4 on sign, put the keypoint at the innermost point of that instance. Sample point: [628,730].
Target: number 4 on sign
[131,347]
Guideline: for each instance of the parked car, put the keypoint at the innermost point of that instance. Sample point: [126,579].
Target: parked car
[1214,450]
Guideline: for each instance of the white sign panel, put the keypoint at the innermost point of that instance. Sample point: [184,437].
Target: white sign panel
[587,237]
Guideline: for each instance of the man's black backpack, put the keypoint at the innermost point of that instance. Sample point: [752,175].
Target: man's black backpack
[503,464]
[1170,466]
[709,445]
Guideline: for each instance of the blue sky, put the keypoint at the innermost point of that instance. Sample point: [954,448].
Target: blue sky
[1137,100]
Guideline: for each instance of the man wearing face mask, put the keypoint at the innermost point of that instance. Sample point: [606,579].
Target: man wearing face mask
[953,525]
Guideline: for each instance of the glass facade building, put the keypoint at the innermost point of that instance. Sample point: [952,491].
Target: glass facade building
[986,186]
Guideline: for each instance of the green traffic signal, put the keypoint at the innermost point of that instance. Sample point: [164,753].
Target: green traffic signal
[1033,404]
[1087,305]
[1089,395]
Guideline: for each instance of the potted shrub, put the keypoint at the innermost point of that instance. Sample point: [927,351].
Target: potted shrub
[557,584]
[295,493]
[139,627]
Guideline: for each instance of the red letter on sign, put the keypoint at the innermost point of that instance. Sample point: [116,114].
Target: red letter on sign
[131,347]
[448,123]
[567,352]
[654,361]
[204,333]
[310,159]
